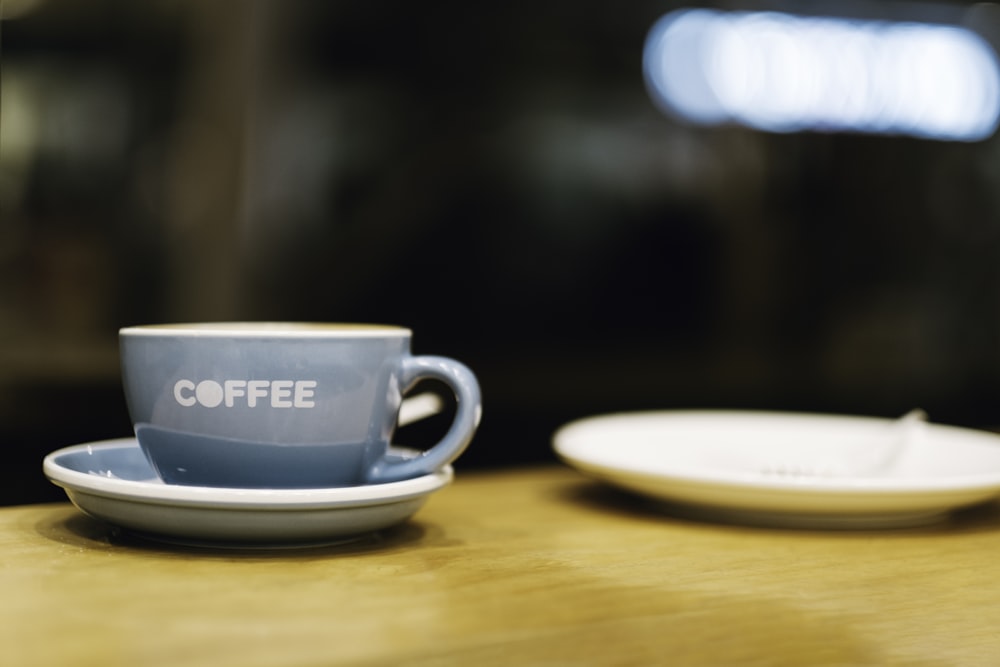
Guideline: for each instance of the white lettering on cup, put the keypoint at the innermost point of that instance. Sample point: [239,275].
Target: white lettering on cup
[303,393]
[256,389]
[209,393]
[182,386]
[253,393]
[281,392]
[234,389]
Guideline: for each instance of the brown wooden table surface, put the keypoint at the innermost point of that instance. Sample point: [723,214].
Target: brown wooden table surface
[536,566]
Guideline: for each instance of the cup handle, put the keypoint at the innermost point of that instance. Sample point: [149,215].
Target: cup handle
[468,413]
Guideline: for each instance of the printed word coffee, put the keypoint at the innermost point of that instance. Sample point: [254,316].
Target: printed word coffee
[273,393]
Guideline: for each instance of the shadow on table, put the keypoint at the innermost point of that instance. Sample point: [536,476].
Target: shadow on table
[601,497]
[72,527]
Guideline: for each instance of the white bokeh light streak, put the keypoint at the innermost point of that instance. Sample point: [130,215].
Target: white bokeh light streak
[782,73]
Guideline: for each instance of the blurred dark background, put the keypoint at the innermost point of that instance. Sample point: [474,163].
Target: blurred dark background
[493,175]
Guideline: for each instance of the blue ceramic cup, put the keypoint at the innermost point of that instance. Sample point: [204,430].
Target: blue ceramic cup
[283,405]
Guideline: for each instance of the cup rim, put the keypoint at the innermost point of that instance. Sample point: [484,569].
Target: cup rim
[249,329]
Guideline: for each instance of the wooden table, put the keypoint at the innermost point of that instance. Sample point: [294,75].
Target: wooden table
[526,567]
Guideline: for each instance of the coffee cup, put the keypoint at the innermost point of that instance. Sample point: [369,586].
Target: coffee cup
[284,405]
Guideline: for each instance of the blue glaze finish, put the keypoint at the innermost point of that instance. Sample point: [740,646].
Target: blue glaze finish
[283,406]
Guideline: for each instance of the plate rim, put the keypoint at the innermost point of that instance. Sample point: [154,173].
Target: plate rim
[158,493]
[751,481]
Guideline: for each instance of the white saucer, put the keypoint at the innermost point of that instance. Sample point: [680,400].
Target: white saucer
[712,464]
[112,481]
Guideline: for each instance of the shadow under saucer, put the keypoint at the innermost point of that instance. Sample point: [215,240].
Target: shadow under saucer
[73,527]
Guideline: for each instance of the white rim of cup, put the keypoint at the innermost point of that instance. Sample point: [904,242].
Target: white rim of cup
[251,329]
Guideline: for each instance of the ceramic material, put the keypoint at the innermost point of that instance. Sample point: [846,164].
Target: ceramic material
[709,464]
[283,405]
[112,481]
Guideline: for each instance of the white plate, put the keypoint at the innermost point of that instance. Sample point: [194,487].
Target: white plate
[714,464]
[112,481]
